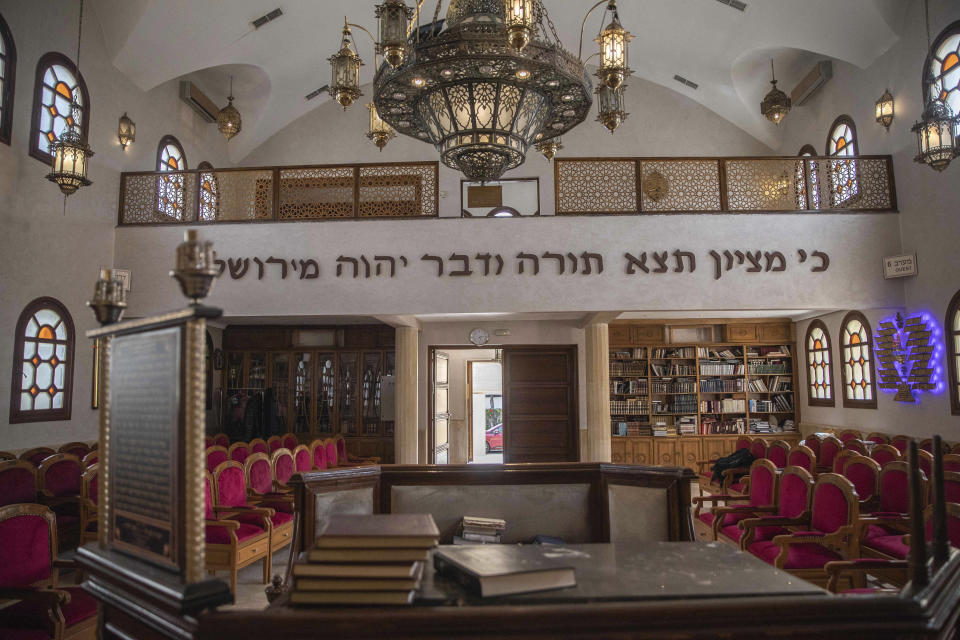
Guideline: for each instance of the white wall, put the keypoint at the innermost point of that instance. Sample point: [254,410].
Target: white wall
[928,206]
[46,252]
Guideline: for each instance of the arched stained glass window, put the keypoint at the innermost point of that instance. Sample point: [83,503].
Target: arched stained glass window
[843,180]
[819,366]
[170,188]
[808,180]
[941,73]
[209,192]
[856,362]
[952,332]
[8,73]
[43,363]
[60,101]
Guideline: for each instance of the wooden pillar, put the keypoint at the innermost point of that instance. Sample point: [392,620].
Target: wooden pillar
[598,394]
[405,436]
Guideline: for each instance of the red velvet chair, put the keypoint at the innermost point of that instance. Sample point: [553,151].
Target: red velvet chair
[951,486]
[777,453]
[28,576]
[79,449]
[885,454]
[715,524]
[231,480]
[238,452]
[878,438]
[891,515]
[258,475]
[900,443]
[812,442]
[951,462]
[345,459]
[37,455]
[758,448]
[91,458]
[289,441]
[18,482]
[803,457]
[830,447]
[89,518]
[925,462]
[927,445]
[330,451]
[258,445]
[849,434]
[864,473]
[283,467]
[705,468]
[840,461]
[318,454]
[743,442]
[301,458]
[231,544]
[221,440]
[273,443]
[6,455]
[208,442]
[58,487]
[215,456]
[793,507]
[856,445]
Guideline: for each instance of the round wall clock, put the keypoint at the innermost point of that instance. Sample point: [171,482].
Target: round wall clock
[479,337]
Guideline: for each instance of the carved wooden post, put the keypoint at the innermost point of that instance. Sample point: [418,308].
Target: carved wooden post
[941,544]
[919,577]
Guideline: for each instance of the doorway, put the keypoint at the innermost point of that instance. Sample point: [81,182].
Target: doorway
[458,412]
[485,411]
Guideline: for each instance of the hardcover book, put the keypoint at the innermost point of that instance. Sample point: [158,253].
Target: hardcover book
[395,530]
[496,570]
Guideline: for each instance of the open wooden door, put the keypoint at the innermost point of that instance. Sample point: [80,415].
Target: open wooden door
[441,412]
[540,404]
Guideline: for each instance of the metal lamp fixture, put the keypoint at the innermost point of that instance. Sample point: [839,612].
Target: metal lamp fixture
[519,19]
[380,132]
[937,130]
[345,66]
[610,107]
[776,104]
[126,131]
[613,50]
[229,122]
[71,151]
[549,148]
[394,15]
[885,109]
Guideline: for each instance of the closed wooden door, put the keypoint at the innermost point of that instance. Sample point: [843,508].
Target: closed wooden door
[540,404]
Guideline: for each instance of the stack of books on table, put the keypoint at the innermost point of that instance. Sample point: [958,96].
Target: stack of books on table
[482,530]
[374,559]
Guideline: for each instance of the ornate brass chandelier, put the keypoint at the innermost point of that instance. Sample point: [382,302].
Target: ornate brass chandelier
[229,122]
[776,104]
[493,82]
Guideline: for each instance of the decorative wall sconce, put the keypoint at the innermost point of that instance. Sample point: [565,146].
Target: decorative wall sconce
[519,21]
[126,131]
[885,109]
[613,50]
[345,70]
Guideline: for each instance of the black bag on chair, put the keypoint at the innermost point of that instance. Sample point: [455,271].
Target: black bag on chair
[739,458]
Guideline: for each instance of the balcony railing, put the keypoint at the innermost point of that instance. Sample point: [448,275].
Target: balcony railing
[723,185]
[264,194]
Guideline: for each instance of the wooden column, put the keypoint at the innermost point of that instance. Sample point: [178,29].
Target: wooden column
[598,394]
[405,435]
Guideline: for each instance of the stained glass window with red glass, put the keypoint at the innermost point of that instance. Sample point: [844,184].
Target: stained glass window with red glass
[43,363]
[819,366]
[859,387]
[209,192]
[942,75]
[60,102]
[843,180]
[170,188]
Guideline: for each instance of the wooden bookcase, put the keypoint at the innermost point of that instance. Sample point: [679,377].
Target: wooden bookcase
[705,394]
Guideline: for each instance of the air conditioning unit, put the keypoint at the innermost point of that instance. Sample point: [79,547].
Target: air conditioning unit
[817,77]
[198,101]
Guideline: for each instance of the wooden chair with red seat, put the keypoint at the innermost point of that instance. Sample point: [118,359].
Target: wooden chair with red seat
[715,524]
[208,442]
[215,456]
[346,459]
[230,544]
[927,445]
[758,448]
[803,457]
[91,458]
[705,467]
[736,481]
[290,441]
[89,518]
[777,453]
[856,445]
[278,507]
[37,455]
[830,447]
[238,452]
[58,487]
[840,461]
[849,434]
[330,452]
[900,443]
[221,440]
[283,466]
[258,445]
[878,438]
[301,458]
[793,509]
[28,576]
[951,462]
[864,473]
[880,530]
[273,443]
[813,442]
[318,454]
[925,460]
[259,477]
[6,455]
[18,482]
[79,449]
[884,454]
[828,534]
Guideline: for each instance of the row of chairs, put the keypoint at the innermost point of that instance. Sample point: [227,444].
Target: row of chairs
[319,454]
[271,444]
[36,455]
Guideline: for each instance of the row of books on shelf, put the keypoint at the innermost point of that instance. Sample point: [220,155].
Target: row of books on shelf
[663,430]
[637,353]
[767,367]
[687,425]
[721,352]
[723,385]
[673,352]
[628,369]
[677,404]
[709,425]
[629,386]
[631,407]
[777,383]
[726,405]
[632,429]
[719,368]
[782,350]
[675,386]
[776,403]
[662,370]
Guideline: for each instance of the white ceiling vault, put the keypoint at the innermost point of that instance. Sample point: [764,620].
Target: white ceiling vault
[724,50]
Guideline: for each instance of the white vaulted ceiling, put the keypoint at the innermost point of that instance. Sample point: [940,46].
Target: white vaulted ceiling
[725,51]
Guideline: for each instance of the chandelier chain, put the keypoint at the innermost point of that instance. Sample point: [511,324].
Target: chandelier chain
[926,20]
[79,35]
[546,15]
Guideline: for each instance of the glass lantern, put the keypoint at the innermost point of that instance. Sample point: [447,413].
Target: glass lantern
[885,109]
[345,72]
[394,16]
[936,136]
[610,107]
[380,132]
[519,19]
[70,155]
[613,51]
[126,131]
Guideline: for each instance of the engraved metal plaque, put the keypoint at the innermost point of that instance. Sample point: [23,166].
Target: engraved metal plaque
[145,401]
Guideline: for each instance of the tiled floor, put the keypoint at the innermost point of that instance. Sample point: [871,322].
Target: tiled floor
[250,588]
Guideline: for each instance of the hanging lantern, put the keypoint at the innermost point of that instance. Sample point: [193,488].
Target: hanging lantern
[549,148]
[519,21]
[936,135]
[885,109]
[126,131]
[228,119]
[776,104]
[394,16]
[70,155]
[345,66]
[613,51]
[610,106]
[380,132]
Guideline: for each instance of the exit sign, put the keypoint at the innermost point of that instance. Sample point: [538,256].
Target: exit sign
[900,266]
